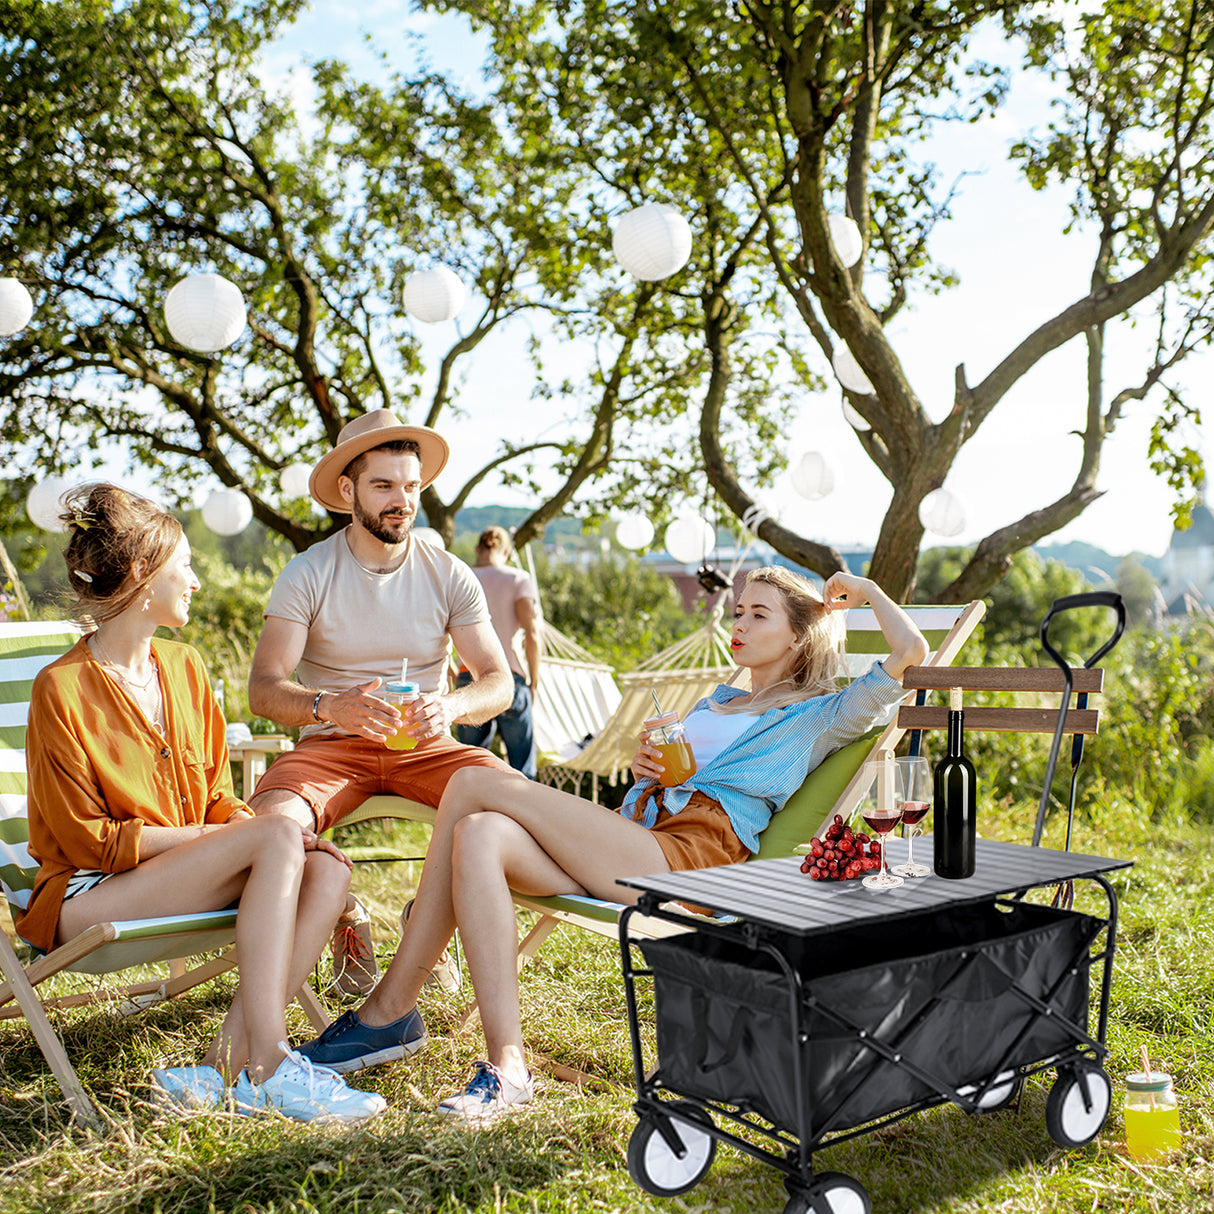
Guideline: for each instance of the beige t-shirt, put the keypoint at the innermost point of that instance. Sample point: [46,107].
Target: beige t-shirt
[503,588]
[361,624]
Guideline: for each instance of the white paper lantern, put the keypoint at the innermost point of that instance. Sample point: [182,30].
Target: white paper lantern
[16,306]
[845,236]
[227,511]
[812,476]
[634,531]
[941,512]
[205,312]
[651,242]
[428,535]
[848,372]
[43,503]
[690,539]
[854,417]
[433,296]
[293,480]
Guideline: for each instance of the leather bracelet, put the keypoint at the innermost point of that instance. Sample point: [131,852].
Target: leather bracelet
[316,707]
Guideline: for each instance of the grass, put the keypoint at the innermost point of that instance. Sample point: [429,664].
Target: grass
[567,1153]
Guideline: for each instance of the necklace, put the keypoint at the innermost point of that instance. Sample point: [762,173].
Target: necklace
[110,664]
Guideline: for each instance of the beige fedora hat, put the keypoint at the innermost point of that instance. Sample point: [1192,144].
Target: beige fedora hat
[363,433]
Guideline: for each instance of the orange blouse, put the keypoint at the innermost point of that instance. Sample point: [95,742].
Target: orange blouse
[99,770]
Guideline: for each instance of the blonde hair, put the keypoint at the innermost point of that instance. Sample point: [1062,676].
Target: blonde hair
[817,663]
[111,531]
[494,539]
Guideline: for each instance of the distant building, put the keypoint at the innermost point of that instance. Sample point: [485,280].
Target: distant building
[1187,571]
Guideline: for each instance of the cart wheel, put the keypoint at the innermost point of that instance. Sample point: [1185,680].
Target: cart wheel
[652,1163]
[1005,1090]
[831,1193]
[1077,1105]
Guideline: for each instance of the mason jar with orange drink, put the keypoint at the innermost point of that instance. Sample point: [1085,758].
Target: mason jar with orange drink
[666,733]
[401,695]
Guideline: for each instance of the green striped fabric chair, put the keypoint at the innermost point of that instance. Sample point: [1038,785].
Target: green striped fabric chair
[25,648]
[835,786]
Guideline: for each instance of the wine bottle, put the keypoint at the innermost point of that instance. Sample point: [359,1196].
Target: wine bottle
[955,791]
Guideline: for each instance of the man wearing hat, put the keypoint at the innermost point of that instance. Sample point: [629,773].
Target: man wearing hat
[342,617]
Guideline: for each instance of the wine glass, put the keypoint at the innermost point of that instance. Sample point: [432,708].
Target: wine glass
[916,791]
[881,808]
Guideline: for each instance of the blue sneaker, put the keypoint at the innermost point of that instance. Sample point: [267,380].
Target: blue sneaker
[488,1096]
[305,1092]
[349,1045]
[188,1087]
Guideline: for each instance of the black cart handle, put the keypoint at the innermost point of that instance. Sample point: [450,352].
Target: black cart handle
[1096,598]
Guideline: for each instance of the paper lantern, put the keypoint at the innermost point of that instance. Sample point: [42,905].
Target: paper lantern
[428,535]
[812,477]
[849,372]
[941,512]
[16,307]
[690,539]
[845,236]
[227,511]
[205,312]
[651,242]
[854,417]
[43,504]
[634,531]
[293,480]
[433,296]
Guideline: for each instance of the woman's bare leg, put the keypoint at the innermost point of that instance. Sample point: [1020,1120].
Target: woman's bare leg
[539,841]
[258,861]
[322,898]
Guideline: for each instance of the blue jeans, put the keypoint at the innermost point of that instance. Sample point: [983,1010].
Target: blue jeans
[514,725]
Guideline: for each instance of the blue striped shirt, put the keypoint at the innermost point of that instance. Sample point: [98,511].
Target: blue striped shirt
[753,778]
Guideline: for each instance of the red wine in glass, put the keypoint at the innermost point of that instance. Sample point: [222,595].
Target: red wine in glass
[882,824]
[915,811]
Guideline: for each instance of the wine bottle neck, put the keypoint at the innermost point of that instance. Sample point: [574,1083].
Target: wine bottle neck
[956,733]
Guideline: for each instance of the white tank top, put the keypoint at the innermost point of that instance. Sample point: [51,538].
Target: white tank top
[712,732]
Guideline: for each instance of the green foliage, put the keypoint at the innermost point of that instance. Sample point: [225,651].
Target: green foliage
[614,606]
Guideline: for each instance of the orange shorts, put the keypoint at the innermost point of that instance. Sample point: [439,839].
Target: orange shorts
[698,836]
[335,775]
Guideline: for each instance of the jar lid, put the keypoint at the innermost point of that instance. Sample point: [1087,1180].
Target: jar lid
[1159,1081]
[401,688]
[667,718]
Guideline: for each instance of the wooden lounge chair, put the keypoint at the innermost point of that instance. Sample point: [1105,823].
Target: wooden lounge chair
[106,947]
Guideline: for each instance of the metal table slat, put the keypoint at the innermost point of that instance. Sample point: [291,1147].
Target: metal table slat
[774,893]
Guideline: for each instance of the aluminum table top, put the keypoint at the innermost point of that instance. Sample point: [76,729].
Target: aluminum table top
[775,893]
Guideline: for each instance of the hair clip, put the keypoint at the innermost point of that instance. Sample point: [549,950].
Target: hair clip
[84,577]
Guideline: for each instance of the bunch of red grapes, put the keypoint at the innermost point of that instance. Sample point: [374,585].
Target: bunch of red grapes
[840,855]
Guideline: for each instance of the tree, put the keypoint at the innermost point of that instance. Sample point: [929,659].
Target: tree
[814,106]
[174,159]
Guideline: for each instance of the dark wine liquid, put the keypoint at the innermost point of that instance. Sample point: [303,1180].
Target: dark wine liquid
[914,811]
[883,825]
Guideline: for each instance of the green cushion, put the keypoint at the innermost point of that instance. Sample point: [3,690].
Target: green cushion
[805,809]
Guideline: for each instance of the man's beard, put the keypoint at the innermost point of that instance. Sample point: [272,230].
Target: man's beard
[385,532]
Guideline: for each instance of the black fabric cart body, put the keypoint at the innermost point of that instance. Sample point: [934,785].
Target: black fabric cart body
[825,1010]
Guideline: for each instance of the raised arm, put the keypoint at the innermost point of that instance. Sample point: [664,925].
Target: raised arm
[907,645]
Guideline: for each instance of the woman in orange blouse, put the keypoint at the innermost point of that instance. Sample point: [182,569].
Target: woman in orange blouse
[132,814]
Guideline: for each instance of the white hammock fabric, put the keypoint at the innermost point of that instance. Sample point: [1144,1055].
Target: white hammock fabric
[577,695]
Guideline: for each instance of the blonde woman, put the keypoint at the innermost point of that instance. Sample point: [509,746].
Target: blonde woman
[132,814]
[497,831]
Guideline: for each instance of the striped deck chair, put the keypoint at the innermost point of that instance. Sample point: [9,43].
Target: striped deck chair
[106,947]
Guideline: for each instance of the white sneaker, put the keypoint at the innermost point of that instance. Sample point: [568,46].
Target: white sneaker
[188,1087]
[489,1095]
[305,1092]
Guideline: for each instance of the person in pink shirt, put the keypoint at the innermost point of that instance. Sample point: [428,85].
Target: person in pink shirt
[513,607]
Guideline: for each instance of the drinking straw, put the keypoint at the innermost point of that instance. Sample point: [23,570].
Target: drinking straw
[656,706]
[404,668]
[1146,1070]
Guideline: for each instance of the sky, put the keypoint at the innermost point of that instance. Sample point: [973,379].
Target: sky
[1016,267]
